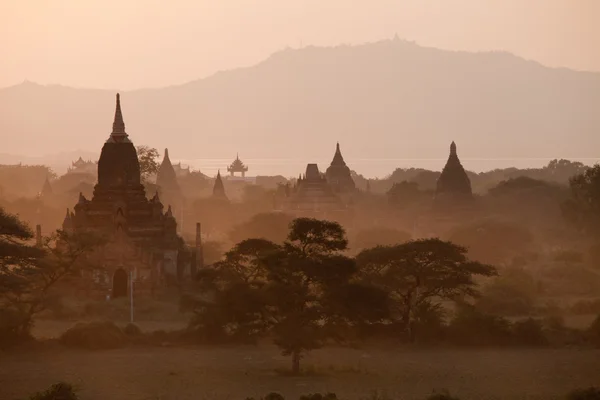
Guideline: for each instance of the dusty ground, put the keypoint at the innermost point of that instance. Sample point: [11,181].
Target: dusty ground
[235,373]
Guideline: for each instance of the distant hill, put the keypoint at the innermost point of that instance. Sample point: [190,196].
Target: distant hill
[391,99]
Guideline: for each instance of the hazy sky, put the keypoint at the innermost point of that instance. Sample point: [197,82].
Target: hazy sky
[128,44]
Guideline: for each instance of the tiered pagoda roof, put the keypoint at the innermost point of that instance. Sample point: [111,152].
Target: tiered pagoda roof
[119,199]
[338,174]
[166,177]
[237,166]
[453,182]
[313,192]
[219,188]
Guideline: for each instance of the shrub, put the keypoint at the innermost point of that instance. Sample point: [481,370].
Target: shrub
[58,391]
[585,394]
[510,294]
[529,332]
[472,327]
[429,322]
[593,331]
[442,396]
[11,328]
[584,307]
[319,396]
[132,329]
[94,336]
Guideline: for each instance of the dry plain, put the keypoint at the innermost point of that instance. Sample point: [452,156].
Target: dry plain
[185,373]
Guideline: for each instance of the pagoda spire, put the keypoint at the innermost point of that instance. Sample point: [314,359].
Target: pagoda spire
[219,188]
[454,179]
[338,159]
[118,134]
[47,188]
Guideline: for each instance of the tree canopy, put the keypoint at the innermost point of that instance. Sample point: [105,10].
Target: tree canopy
[148,159]
[420,272]
[583,206]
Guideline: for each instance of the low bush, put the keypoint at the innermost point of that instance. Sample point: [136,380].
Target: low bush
[586,307]
[510,294]
[593,332]
[319,396]
[529,332]
[132,329]
[471,327]
[58,391]
[12,329]
[94,336]
[585,394]
[442,396]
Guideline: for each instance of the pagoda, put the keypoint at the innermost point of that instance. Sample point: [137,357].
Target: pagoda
[237,166]
[453,183]
[219,188]
[47,189]
[82,167]
[338,174]
[313,193]
[166,179]
[141,239]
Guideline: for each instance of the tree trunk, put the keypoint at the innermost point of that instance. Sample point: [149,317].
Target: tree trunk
[296,362]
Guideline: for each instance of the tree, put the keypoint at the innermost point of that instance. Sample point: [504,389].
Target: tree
[419,272]
[297,292]
[17,259]
[404,194]
[148,159]
[302,278]
[28,273]
[582,209]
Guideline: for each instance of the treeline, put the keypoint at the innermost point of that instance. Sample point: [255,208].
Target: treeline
[307,292]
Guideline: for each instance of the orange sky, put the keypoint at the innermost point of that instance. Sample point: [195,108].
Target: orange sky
[128,44]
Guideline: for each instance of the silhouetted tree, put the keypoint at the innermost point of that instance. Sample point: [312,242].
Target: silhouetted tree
[27,274]
[298,291]
[148,159]
[583,207]
[419,272]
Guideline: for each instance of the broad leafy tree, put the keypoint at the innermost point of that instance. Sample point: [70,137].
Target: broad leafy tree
[148,159]
[297,292]
[420,272]
[29,272]
[583,207]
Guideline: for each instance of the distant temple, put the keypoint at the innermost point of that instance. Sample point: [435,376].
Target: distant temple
[47,189]
[166,179]
[180,171]
[338,174]
[142,238]
[219,188]
[313,193]
[453,183]
[82,167]
[237,166]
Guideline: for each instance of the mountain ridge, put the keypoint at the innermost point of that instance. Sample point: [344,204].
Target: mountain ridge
[389,99]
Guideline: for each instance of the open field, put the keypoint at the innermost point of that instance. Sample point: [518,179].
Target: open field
[186,373]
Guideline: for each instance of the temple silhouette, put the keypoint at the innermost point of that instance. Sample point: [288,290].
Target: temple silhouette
[453,187]
[140,235]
